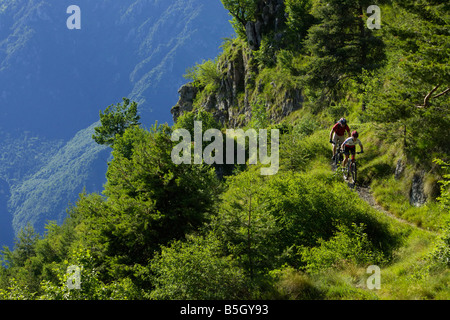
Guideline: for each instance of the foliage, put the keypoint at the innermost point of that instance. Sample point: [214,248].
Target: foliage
[187,119]
[412,90]
[259,116]
[166,231]
[444,197]
[349,245]
[245,224]
[262,220]
[115,120]
[150,200]
[242,12]
[441,251]
[91,288]
[299,20]
[205,75]
[195,269]
[340,45]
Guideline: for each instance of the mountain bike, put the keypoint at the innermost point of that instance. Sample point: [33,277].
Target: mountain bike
[339,155]
[351,172]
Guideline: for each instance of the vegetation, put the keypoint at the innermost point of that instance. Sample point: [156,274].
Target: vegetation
[165,231]
[115,120]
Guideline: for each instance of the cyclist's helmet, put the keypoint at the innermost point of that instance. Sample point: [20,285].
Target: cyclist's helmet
[355,134]
[343,121]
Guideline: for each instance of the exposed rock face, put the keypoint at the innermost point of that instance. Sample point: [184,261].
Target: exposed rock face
[187,95]
[399,168]
[417,196]
[232,103]
[270,17]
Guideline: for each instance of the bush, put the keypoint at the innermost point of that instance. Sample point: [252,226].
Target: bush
[441,251]
[196,270]
[290,283]
[205,75]
[348,245]
[262,219]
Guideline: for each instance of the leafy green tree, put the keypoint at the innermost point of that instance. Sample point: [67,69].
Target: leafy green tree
[444,197]
[244,222]
[423,36]
[115,120]
[242,12]
[299,20]
[24,247]
[205,75]
[411,94]
[262,220]
[186,121]
[341,46]
[348,245]
[90,285]
[149,202]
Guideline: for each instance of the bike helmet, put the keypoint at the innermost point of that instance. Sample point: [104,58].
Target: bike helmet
[355,134]
[343,121]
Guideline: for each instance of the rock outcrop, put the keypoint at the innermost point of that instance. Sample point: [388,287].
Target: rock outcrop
[417,196]
[269,18]
[185,103]
[238,91]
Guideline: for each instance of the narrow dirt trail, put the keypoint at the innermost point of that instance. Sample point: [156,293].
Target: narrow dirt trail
[365,194]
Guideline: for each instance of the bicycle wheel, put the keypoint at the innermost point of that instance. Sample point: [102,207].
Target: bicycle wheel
[336,158]
[354,173]
[346,171]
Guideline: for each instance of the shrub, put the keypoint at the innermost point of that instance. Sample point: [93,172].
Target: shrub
[348,245]
[205,75]
[196,270]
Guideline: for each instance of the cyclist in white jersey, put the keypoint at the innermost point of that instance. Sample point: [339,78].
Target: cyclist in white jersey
[349,146]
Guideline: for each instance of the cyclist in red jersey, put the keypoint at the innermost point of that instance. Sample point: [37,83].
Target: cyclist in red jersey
[337,134]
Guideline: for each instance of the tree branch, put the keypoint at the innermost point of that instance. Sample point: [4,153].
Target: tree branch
[442,93]
[427,97]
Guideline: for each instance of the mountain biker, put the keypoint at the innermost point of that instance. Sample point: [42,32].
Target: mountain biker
[349,146]
[337,134]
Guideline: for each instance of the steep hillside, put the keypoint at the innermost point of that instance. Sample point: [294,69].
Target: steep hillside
[78,166]
[54,81]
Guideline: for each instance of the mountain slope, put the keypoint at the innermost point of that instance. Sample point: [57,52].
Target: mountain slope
[54,81]
[78,166]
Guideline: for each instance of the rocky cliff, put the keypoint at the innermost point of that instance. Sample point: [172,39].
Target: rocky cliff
[241,87]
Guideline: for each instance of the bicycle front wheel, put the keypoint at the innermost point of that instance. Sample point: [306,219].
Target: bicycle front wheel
[346,172]
[354,173]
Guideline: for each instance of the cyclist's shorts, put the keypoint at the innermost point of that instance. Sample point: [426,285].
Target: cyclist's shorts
[349,149]
[338,139]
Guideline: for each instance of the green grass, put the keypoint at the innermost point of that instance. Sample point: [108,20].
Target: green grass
[409,276]
[392,195]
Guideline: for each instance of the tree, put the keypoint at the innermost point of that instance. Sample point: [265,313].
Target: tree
[242,11]
[150,201]
[299,20]
[24,247]
[411,94]
[341,46]
[115,120]
[244,223]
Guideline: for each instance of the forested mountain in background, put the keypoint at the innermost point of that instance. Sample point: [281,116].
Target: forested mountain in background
[54,81]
